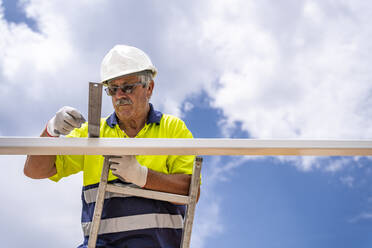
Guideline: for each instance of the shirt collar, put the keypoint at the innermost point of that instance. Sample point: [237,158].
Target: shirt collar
[154,116]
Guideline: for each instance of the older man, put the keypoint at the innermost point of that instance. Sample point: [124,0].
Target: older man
[128,221]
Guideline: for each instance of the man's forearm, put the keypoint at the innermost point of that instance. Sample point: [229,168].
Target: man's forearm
[171,183]
[40,166]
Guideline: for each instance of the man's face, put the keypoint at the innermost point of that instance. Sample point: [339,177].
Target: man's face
[131,105]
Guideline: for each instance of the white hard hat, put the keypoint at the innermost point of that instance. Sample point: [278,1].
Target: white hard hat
[123,60]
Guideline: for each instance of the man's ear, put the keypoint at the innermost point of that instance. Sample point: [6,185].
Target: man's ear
[150,88]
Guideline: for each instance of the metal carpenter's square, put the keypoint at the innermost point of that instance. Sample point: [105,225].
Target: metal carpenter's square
[94,112]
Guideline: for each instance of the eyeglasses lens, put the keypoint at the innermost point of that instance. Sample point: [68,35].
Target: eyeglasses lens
[126,88]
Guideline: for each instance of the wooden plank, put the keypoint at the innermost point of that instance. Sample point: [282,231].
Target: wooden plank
[115,146]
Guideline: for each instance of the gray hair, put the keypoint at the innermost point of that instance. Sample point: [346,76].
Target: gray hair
[145,77]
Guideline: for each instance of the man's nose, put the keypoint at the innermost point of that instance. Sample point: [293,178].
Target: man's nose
[120,92]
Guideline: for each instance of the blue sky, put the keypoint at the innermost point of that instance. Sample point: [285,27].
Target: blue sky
[237,69]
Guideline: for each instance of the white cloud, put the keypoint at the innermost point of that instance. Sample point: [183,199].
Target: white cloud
[46,210]
[208,218]
[28,56]
[308,78]
[188,106]
[282,89]
[363,216]
[52,67]
[313,11]
[284,70]
[207,222]
[347,180]
[42,70]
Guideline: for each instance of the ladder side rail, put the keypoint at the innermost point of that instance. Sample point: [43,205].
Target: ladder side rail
[94,228]
[193,194]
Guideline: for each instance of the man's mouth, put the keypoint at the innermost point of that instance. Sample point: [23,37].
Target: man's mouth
[123,101]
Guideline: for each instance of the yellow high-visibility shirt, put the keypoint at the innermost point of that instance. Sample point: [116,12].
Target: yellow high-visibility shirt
[158,126]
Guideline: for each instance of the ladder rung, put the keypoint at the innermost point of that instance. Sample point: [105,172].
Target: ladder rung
[157,195]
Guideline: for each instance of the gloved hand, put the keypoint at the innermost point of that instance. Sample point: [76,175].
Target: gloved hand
[65,120]
[128,169]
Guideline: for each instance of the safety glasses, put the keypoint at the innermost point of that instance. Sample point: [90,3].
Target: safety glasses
[126,88]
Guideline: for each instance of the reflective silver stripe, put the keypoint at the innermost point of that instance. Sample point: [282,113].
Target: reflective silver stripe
[90,195]
[136,222]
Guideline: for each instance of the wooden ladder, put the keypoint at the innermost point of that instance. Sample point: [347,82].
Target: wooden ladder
[95,102]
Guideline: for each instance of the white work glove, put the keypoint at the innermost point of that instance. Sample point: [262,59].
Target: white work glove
[65,120]
[128,169]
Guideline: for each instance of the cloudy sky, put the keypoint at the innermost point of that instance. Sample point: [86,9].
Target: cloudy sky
[237,69]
